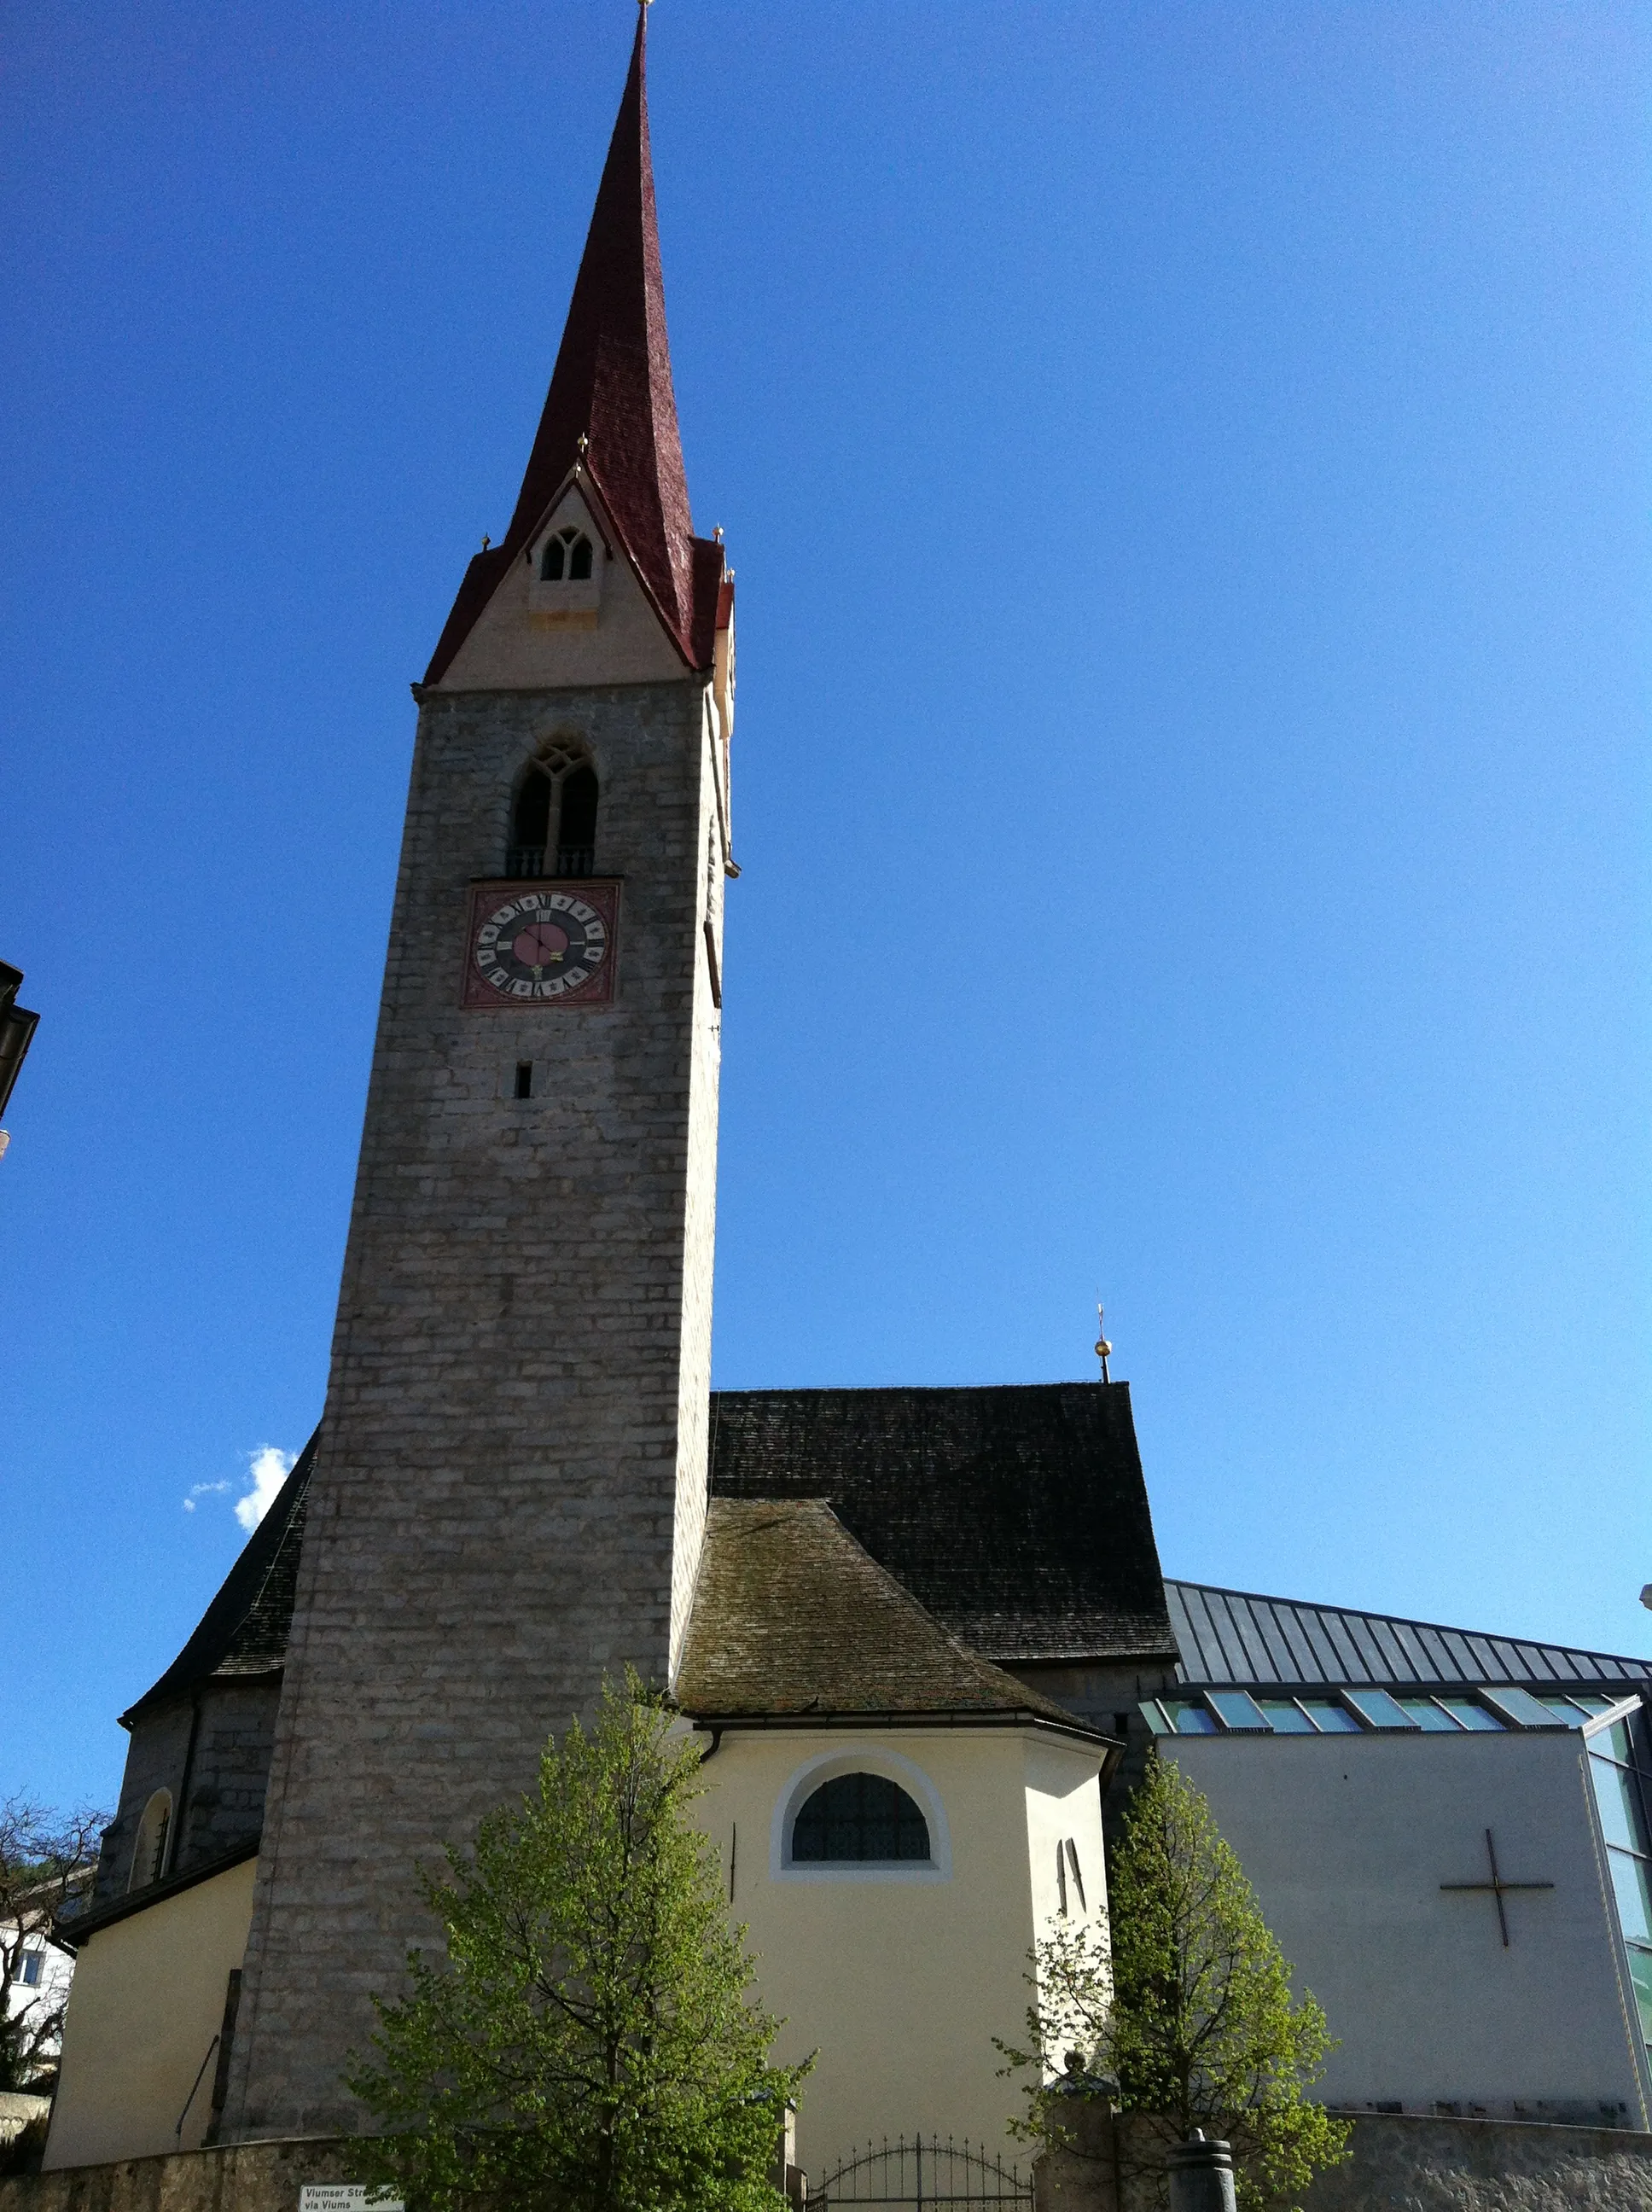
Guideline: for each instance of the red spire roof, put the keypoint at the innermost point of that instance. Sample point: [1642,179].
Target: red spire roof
[612,386]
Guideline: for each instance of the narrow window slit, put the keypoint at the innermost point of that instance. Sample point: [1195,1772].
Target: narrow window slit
[524,1078]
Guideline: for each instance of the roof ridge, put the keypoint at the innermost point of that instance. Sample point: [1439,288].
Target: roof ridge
[232,1603]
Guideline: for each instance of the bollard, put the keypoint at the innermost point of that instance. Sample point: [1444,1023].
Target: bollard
[1201,2175]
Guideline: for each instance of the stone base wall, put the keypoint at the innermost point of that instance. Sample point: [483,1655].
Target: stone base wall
[1487,2166]
[262,2177]
[1399,2163]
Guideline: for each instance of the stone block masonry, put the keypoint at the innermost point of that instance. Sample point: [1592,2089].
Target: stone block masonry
[510,1484]
[1400,2161]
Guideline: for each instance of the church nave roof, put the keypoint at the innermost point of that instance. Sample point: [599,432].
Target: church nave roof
[1017,1515]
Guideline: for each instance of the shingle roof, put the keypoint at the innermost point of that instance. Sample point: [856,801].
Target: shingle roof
[1235,1637]
[612,386]
[791,1617]
[244,1630]
[1016,1516]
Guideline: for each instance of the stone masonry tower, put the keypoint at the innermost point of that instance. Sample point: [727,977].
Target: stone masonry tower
[510,1487]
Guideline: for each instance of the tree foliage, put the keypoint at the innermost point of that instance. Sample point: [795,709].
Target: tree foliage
[46,1859]
[589,2043]
[1191,2013]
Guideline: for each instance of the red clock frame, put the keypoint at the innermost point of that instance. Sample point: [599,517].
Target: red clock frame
[543,896]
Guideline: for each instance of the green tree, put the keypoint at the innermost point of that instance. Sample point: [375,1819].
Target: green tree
[1191,2013]
[589,2043]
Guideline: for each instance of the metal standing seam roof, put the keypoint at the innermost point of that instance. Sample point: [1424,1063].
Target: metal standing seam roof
[1238,1637]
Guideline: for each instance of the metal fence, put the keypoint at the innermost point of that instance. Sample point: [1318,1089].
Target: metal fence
[924,2170]
[529,860]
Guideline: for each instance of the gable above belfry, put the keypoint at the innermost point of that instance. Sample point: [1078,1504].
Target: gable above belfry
[609,427]
[585,616]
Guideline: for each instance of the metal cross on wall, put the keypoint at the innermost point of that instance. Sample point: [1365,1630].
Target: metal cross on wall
[1496,1887]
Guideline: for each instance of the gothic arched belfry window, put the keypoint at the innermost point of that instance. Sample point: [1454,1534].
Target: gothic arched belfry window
[567,557]
[554,819]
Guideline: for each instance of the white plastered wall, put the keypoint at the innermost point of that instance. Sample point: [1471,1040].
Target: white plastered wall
[1064,1815]
[147,2000]
[1346,1840]
[900,1979]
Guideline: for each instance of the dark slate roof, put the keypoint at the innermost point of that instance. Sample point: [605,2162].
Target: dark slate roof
[1234,1637]
[244,1630]
[791,1618]
[1016,1516]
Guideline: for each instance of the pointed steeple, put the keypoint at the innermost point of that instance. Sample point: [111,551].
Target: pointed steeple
[610,408]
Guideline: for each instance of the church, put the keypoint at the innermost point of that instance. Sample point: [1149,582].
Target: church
[925,1635]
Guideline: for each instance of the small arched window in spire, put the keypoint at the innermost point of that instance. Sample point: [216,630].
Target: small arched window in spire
[559,792]
[567,557]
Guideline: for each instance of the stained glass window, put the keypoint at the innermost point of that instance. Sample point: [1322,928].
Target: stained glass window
[859,1817]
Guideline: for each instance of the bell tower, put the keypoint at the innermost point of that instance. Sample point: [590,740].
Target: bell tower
[510,1483]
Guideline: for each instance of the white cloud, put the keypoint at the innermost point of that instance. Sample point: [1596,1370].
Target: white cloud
[268,1468]
[203,1490]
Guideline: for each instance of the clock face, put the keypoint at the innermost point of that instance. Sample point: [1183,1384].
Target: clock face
[544,944]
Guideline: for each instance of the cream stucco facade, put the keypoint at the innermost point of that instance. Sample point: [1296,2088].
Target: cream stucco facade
[898,1977]
[147,2002]
[536,636]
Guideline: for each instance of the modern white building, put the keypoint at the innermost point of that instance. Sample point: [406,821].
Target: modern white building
[1449,1834]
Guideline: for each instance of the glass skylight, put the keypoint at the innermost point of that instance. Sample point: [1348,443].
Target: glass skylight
[1188,1718]
[1427,1715]
[1381,1711]
[1527,1711]
[1285,1717]
[1237,1709]
[1329,1717]
[1350,1713]
[1469,1713]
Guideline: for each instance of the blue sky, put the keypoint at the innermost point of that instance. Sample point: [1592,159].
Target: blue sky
[1187,469]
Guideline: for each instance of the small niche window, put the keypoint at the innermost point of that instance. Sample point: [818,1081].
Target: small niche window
[554,820]
[566,558]
[524,1078]
[1067,1862]
[154,1830]
[859,1819]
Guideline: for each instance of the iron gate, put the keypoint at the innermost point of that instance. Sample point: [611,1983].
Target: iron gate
[924,2172]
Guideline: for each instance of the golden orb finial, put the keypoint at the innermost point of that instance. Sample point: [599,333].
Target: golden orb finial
[1103,1349]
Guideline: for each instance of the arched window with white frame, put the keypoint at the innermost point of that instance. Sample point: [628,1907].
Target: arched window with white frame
[861,1813]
